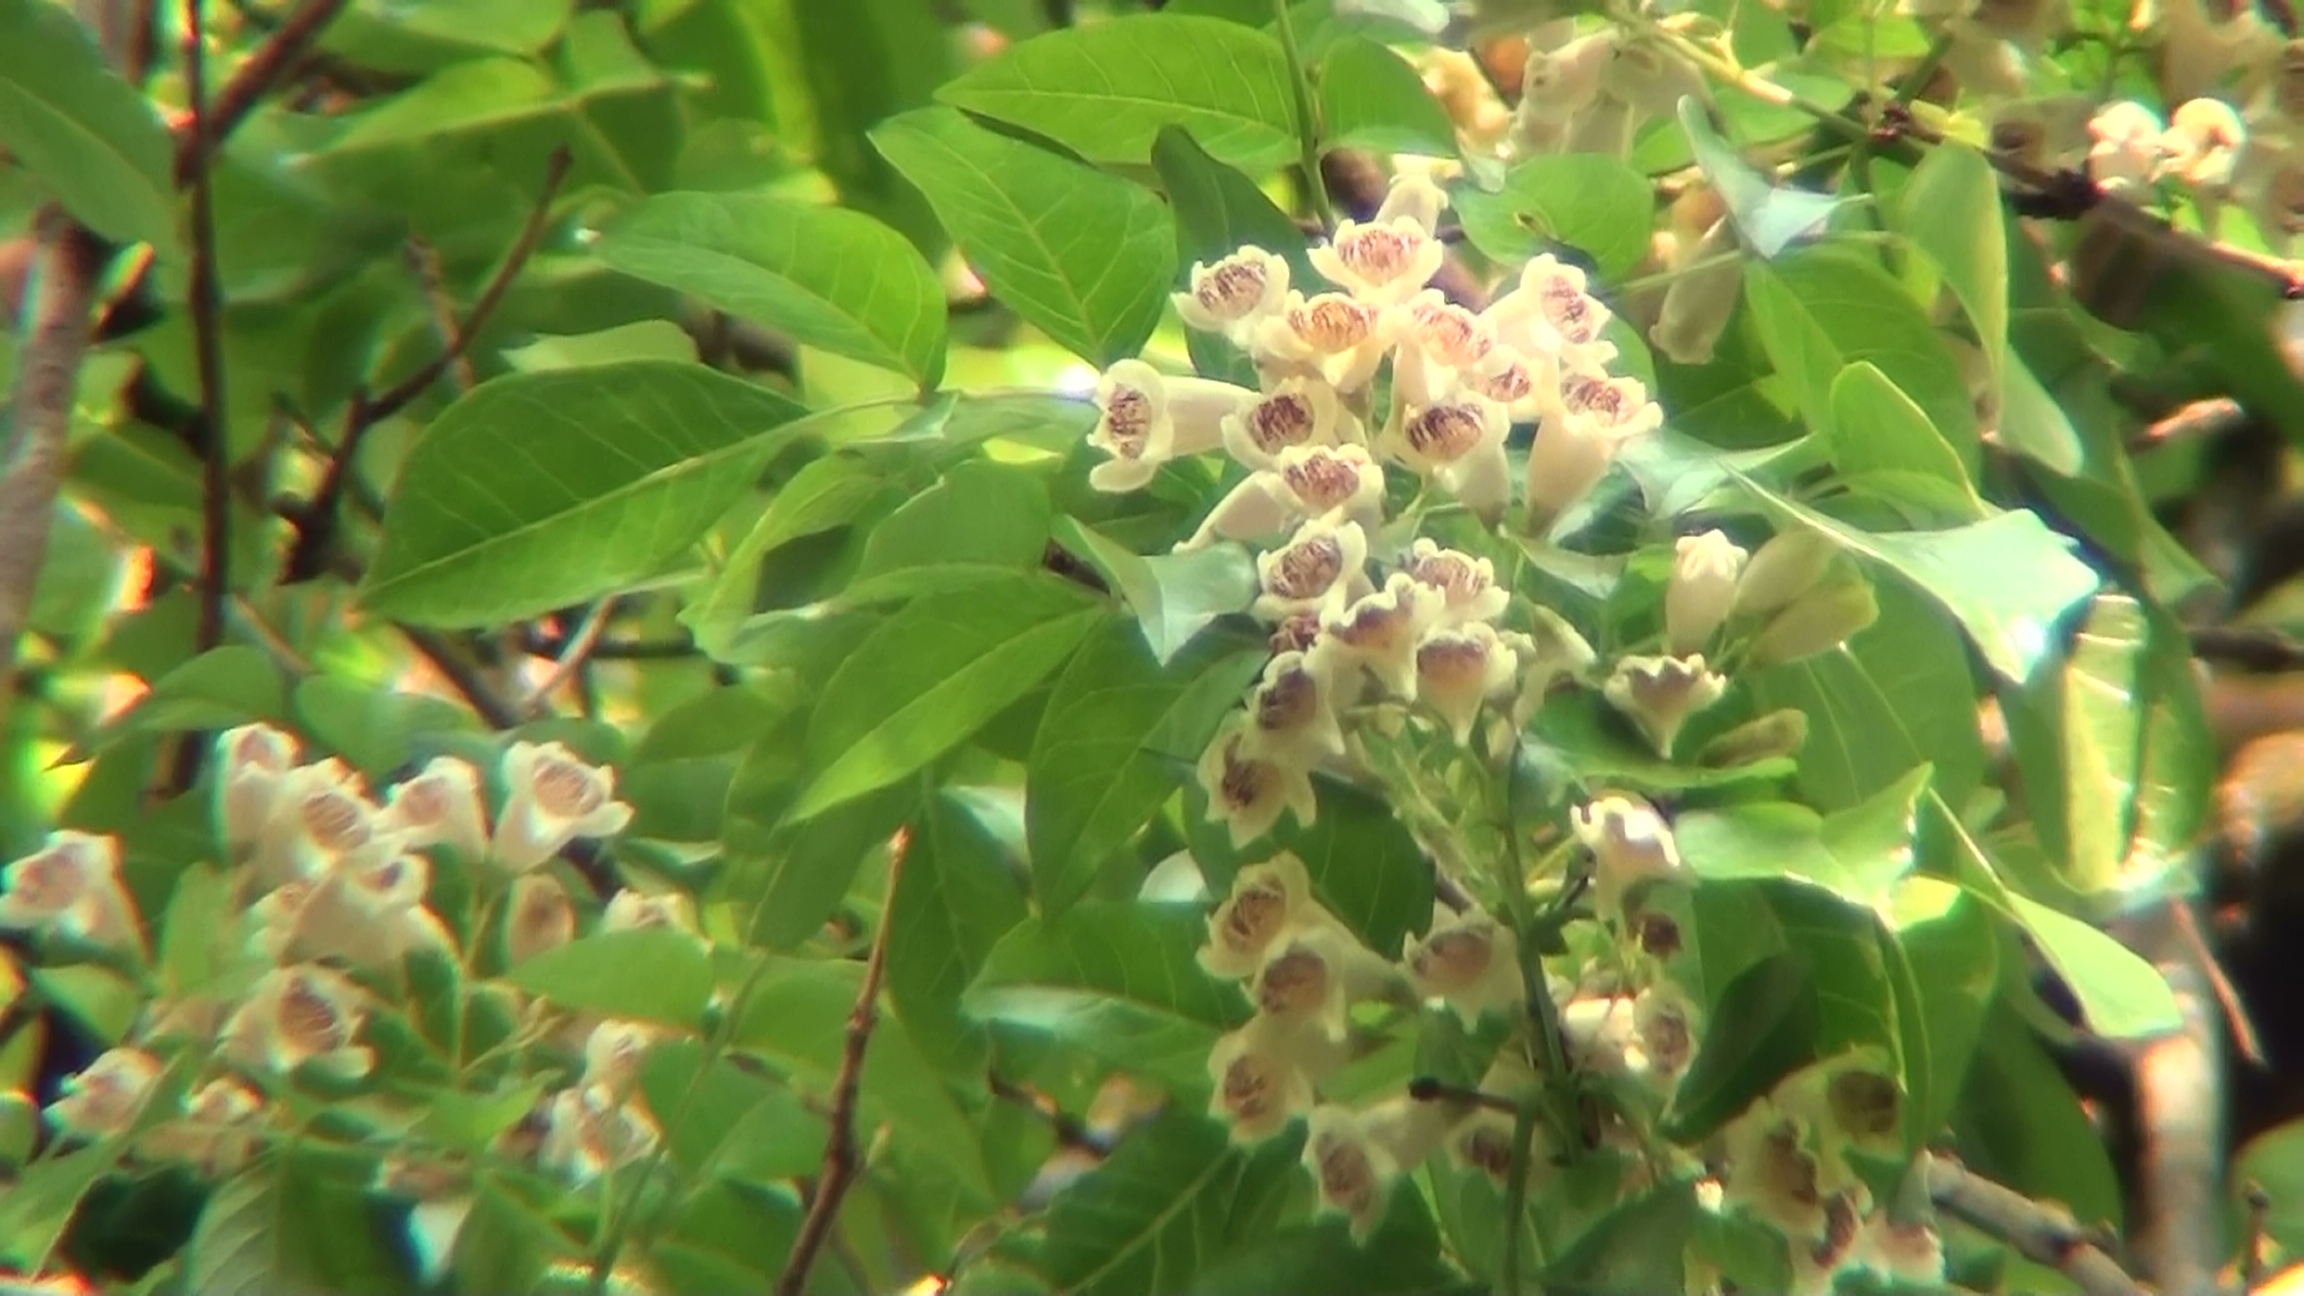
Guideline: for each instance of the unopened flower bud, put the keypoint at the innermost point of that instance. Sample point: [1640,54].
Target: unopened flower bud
[1702,588]
[1779,733]
[1630,845]
[555,799]
[1818,621]
[1701,299]
[1660,693]
[2204,141]
[630,910]
[2126,148]
[1783,569]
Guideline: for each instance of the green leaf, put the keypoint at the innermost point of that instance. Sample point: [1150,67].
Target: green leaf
[1822,309]
[1764,839]
[2019,1124]
[69,119]
[957,896]
[1120,735]
[643,340]
[678,777]
[2078,736]
[2035,424]
[830,278]
[1219,210]
[1896,696]
[1578,739]
[1950,209]
[504,1245]
[2121,996]
[1105,89]
[420,35]
[1117,980]
[931,676]
[1768,219]
[200,918]
[287,1226]
[1085,257]
[785,877]
[1370,98]
[1638,1247]
[1174,1197]
[654,974]
[1950,933]
[2274,1161]
[982,515]
[540,490]
[1595,204]
[1880,436]
[1174,596]
[2007,580]
[725,1120]
[828,493]
[376,729]
[1364,864]
[231,685]
[1762,1028]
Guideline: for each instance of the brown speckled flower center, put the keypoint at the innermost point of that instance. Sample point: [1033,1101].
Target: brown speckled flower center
[1452,661]
[309,1020]
[1569,309]
[261,750]
[1509,385]
[1128,421]
[1346,1177]
[1667,1038]
[1453,335]
[1281,420]
[1375,626]
[1456,958]
[1786,1172]
[1297,633]
[1231,288]
[1288,703]
[566,789]
[334,821]
[1866,1105]
[1331,324]
[1445,432]
[1489,1150]
[1322,481]
[1601,397]
[44,882]
[1307,568]
[423,802]
[1379,253]
[1251,1087]
[1246,781]
[1294,984]
[1452,574]
[1253,917]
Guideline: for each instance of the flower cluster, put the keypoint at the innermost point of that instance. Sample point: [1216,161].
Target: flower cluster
[334,891]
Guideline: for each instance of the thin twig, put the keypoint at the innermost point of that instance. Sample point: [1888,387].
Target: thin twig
[2193,419]
[2259,1205]
[2179,1118]
[401,394]
[252,81]
[1069,1130]
[2041,1233]
[1433,1089]
[2255,649]
[579,647]
[842,1158]
[207,308]
[424,262]
[65,268]
[464,676]
[536,643]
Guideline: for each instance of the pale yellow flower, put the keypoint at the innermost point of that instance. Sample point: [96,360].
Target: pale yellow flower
[555,799]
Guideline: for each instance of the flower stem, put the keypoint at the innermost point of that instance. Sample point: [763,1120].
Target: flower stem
[1307,121]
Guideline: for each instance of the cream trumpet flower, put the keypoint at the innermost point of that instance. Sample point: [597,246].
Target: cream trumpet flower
[1566,460]
[1776,1175]
[1558,85]
[1702,298]
[105,1096]
[1248,790]
[1434,436]
[1468,961]
[1467,585]
[1292,711]
[1515,381]
[540,917]
[1353,1169]
[1630,845]
[1415,195]
[1550,652]
[1298,411]
[2199,44]
[1435,341]
[555,799]
[439,807]
[1233,295]
[613,1054]
[1381,262]
[322,815]
[1332,336]
[1459,669]
[1621,405]
[1665,1027]
[218,1133]
[589,1131]
[1146,419]
[1599,1033]
[1901,1253]
[2204,141]
[1701,589]
[1549,313]
[1264,1078]
[298,1015]
[2125,152]
[1310,977]
[1380,631]
[1786,567]
[71,888]
[255,760]
[1848,1103]
[369,912]
[1328,483]
[630,910]
[1660,693]
[1319,568]
[1268,901]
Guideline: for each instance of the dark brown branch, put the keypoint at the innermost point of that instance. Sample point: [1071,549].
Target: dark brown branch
[572,657]
[248,86]
[401,394]
[466,678]
[536,643]
[842,1156]
[2041,1233]
[2261,650]
[2178,1239]
[424,261]
[1432,1089]
[206,309]
[1069,1130]
[65,268]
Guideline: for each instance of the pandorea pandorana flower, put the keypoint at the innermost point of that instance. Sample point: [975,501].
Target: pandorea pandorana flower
[1381,630]
[2127,151]
[1331,336]
[71,888]
[105,1097]
[1469,961]
[1309,978]
[1389,258]
[368,912]
[1268,901]
[1247,790]
[2204,142]
[1660,693]
[1331,484]
[255,759]
[1293,708]
[1234,294]
[1630,844]
[439,807]
[555,799]
[1296,412]
[630,910]
[589,1131]
[322,814]
[541,917]
[1262,1079]
[218,1132]
[1467,585]
[1354,1173]
[298,1015]
[1458,670]
[1319,568]
[1149,419]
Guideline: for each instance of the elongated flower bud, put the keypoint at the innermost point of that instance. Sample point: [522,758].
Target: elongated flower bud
[1630,845]
[1783,569]
[1818,621]
[1702,588]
